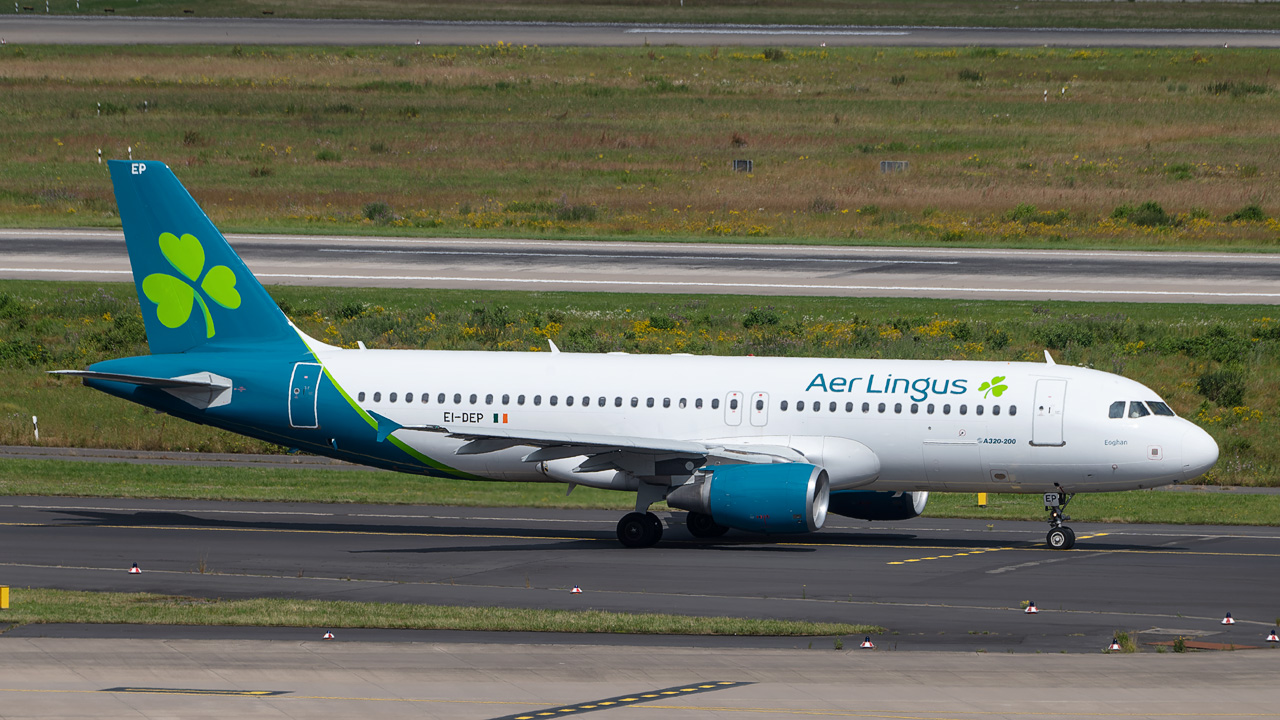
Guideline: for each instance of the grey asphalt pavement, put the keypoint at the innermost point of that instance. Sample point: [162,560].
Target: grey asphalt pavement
[934,584]
[34,29]
[514,264]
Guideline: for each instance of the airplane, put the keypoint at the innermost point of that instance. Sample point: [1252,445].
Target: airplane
[758,444]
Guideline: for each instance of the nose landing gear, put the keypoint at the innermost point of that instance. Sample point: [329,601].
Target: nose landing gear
[1060,536]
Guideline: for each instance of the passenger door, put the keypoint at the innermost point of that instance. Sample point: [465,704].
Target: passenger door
[303,395]
[1046,424]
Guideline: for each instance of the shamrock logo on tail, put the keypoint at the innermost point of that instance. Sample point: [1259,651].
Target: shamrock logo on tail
[995,387]
[175,297]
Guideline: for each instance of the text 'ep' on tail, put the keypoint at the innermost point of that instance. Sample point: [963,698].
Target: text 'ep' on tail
[193,289]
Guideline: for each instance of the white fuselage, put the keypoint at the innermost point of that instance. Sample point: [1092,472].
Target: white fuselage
[933,425]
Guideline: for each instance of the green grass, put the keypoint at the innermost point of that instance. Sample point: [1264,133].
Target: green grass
[637,142]
[1218,365]
[1050,13]
[29,605]
[94,479]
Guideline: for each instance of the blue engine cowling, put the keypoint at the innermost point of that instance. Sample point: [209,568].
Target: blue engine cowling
[878,504]
[777,498]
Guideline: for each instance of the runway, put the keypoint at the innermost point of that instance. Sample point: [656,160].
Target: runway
[758,270]
[26,29]
[934,584]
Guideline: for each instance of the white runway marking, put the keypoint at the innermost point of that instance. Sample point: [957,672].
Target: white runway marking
[760,31]
[677,285]
[605,256]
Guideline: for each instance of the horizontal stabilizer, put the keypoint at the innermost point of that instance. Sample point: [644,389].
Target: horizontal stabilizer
[211,381]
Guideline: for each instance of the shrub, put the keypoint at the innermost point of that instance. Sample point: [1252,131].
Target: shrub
[821,205]
[738,140]
[971,75]
[1235,88]
[1148,214]
[350,309]
[327,155]
[1224,386]
[378,147]
[663,322]
[493,317]
[1061,334]
[761,317]
[1248,213]
[1180,171]
[1027,214]
[379,212]
[576,213]
[898,80]
[193,137]
[260,171]
[776,54]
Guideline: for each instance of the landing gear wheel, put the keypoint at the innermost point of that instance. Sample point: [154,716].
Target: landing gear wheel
[1061,538]
[637,530]
[701,525]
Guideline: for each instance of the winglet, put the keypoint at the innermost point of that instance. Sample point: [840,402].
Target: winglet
[386,425]
[1048,358]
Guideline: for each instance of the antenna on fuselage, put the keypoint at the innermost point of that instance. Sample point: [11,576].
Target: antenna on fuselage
[552,343]
[1048,358]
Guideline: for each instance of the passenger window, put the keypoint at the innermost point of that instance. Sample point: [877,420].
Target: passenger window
[602,401]
[915,408]
[648,402]
[683,403]
[1013,410]
[554,400]
[408,397]
[1117,409]
[866,407]
[881,407]
[473,398]
[715,403]
[586,401]
[832,407]
[617,401]
[568,401]
[391,397]
[1137,410]
[848,407]
[897,408]
[759,404]
[537,399]
[666,402]
[1160,408]
[946,409]
[360,397]
[440,398]
[488,399]
[782,406]
[733,404]
[519,399]
[929,408]
[995,409]
[635,402]
[799,405]
[457,398]
[697,404]
[964,409]
[377,397]
[978,409]
[506,399]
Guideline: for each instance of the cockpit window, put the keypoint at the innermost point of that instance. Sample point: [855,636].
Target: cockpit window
[1137,410]
[1117,409]
[1160,408]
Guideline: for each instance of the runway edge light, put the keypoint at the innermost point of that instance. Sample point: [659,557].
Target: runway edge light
[1031,608]
[135,570]
[1115,645]
[867,644]
[328,635]
[576,590]
[1228,620]
[1272,638]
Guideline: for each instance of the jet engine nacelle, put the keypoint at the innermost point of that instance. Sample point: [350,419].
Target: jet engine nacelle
[878,504]
[774,498]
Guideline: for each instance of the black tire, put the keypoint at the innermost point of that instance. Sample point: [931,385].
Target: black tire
[655,528]
[701,525]
[1062,538]
[636,531]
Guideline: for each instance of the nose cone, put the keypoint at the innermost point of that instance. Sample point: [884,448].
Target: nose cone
[1199,453]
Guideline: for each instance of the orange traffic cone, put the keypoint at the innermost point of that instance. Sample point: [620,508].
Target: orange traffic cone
[1031,608]
[576,590]
[1115,645]
[867,644]
[327,635]
[1228,620]
[135,570]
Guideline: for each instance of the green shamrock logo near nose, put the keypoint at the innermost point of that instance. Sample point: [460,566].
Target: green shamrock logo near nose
[175,297]
[994,387]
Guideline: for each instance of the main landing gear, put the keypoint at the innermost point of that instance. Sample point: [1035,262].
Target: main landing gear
[1060,536]
[701,525]
[639,529]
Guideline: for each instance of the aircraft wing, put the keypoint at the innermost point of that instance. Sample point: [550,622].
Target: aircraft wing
[603,452]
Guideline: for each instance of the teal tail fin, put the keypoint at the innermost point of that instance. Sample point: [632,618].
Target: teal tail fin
[193,288]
